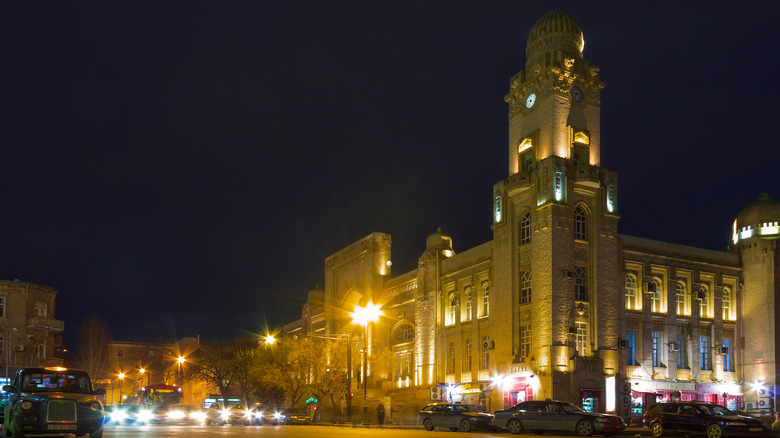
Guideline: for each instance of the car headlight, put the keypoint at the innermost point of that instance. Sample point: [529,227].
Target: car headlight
[26,405]
[176,415]
[225,414]
[602,419]
[277,415]
[145,415]
[200,416]
[735,423]
[118,415]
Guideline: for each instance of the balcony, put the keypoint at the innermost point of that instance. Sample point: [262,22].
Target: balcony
[705,376]
[660,373]
[518,182]
[634,371]
[42,322]
[684,374]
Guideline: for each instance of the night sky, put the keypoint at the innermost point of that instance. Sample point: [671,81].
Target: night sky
[184,167]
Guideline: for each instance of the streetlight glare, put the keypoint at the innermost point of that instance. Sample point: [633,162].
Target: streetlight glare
[180,359]
[270,340]
[121,375]
[370,313]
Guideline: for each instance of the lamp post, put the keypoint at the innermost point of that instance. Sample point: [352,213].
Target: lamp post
[6,350]
[362,316]
[121,377]
[180,360]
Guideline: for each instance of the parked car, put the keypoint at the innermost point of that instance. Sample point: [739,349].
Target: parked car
[53,401]
[699,418]
[541,416]
[234,413]
[454,416]
[267,415]
[295,416]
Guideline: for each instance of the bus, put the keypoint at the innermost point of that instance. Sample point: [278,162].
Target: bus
[159,396]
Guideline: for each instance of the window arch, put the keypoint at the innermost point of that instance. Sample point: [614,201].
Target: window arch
[580,223]
[525,287]
[452,305]
[631,296]
[403,333]
[484,307]
[681,299]
[525,229]
[727,304]
[656,295]
[704,297]
[467,301]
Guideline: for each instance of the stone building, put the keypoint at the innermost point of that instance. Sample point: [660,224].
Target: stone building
[558,304]
[29,331]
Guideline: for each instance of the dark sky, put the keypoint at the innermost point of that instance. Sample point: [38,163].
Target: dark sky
[184,167]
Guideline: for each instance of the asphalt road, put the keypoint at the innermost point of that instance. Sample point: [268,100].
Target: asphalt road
[157,431]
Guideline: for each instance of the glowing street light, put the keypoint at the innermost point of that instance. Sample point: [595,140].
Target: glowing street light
[270,340]
[180,360]
[362,316]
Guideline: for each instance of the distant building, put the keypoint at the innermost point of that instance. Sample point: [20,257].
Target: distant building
[29,332]
[559,305]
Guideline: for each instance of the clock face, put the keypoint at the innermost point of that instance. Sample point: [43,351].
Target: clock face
[530,101]
[576,94]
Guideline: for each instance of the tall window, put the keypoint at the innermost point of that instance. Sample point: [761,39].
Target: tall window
[727,303]
[404,333]
[704,352]
[704,297]
[2,307]
[728,366]
[484,363]
[631,301]
[657,344]
[525,287]
[581,339]
[580,224]
[656,297]
[467,355]
[682,352]
[451,307]
[467,304]
[525,341]
[402,364]
[485,305]
[580,284]
[40,350]
[631,350]
[40,309]
[451,358]
[525,229]
[680,298]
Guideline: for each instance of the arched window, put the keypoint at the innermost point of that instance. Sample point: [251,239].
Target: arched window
[525,287]
[656,295]
[525,229]
[484,308]
[404,333]
[680,299]
[467,304]
[580,284]
[704,297]
[727,304]
[580,224]
[631,301]
[452,305]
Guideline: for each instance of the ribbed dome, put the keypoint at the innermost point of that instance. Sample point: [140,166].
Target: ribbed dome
[555,31]
[762,217]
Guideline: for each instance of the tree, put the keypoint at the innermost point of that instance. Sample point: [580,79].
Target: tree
[93,346]
[214,365]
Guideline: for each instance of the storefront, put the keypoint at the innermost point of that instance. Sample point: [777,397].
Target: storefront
[517,389]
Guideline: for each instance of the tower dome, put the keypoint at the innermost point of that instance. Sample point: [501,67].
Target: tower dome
[556,31]
[761,219]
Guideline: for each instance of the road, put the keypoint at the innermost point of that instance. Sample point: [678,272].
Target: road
[288,432]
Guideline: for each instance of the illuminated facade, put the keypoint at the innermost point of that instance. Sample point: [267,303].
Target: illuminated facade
[558,304]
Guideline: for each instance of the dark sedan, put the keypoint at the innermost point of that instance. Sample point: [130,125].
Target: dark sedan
[542,416]
[699,418]
[454,416]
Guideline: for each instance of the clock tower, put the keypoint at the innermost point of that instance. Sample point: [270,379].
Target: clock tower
[556,249]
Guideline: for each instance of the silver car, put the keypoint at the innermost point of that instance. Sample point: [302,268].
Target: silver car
[548,415]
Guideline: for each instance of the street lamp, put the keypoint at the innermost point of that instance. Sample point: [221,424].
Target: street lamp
[6,350]
[180,360]
[362,316]
[121,377]
[270,340]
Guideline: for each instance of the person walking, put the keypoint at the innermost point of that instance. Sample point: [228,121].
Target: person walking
[380,414]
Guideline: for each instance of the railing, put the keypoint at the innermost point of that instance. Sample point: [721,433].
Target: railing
[660,373]
[465,377]
[684,374]
[634,371]
[46,323]
[705,376]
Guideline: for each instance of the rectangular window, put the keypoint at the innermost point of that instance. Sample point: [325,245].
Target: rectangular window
[631,353]
[525,341]
[525,287]
[40,309]
[581,339]
[580,284]
[467,355]
[2,307]
[40,350]
[120,353]
[682,352]
[484,363]
[704,352]
[467,305]
[727,364]
[657,343]
[451,358]
[485,308]
[399,358]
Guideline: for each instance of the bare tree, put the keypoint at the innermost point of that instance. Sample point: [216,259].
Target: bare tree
[215,366]
[93,346]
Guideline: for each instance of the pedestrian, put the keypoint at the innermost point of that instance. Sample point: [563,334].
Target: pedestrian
[380,414]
